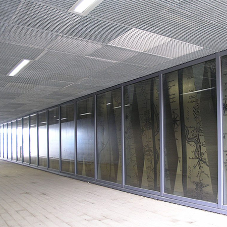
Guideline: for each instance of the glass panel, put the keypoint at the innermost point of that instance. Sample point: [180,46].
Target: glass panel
[191,156]
[33,139]
[142,139]
[9,141]
[85,137]
[14,140]
[26,139]
[54,138]
[5,154]
[109,136]
[224,89]
[19,140]
[42,139]
[1,142]
[68,138]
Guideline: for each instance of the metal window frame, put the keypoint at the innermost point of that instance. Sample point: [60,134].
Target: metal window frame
[215,207]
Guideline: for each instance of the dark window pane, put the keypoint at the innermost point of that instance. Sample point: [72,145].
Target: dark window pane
[42,139]
[9,141]
[85,137]
[19,140]
[54,138]
[142,134]
[33,139]
[14,145]
[26,139]
[68,138]
[191,157]
[224,89]
[109,136]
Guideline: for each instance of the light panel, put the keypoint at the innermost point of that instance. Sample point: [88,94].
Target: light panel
[19,67]
[152,43]
[83,7]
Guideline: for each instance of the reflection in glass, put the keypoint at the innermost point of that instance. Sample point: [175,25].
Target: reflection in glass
[42,133]
[142,139]
[67,138]
[109,136]
[33,139]
[224,89]
[9,141]
[26,139]
[19,140]
[85,137]
[14,141]
[54,138]
[5,152]
[191,157]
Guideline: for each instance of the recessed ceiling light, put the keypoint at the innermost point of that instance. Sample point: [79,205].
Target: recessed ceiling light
[83,7]
[18,68]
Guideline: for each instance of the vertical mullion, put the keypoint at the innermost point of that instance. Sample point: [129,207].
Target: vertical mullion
[7,141]
[37,130]
[16,143]
[123,135]
[75,137]
[220,131]
[162,137]
[95,141]
[22,126]
[47,127]
[60,162]
[11,124]
[29,139]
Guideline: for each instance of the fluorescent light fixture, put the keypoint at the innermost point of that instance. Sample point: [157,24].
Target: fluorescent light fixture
[83,7]
[18,68]
[117,107]
[64,118]
[109,103]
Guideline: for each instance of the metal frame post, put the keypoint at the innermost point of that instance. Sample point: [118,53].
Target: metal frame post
[95,139]
[162,136]
[60,162]
[123,136]
[220,132]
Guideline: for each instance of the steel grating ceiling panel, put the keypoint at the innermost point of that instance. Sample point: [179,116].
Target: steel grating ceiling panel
[119,40]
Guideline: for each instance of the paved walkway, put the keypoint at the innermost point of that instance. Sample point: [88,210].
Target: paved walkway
[30,197]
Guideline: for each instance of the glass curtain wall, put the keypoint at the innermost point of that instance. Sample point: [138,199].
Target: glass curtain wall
[191,155]
[19,140]
[68,138]
[14,140]
[54,138]
[5,152]
[9,141]
[109,150]
[26,139]
[33,139]
[85,138]
[142,134]
[42,138]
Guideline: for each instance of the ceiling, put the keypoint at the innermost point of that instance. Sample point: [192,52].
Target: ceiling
[118,41]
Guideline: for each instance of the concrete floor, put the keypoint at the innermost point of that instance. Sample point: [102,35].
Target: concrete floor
[30,197]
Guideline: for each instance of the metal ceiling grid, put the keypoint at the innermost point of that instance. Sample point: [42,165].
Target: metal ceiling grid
[119,40]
